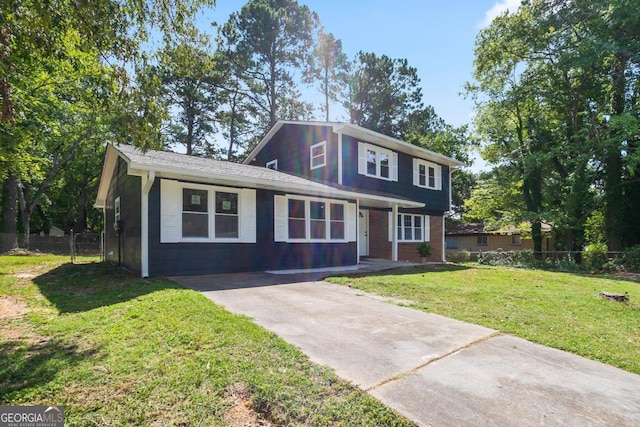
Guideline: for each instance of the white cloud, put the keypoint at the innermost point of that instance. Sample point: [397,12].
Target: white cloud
[498,9]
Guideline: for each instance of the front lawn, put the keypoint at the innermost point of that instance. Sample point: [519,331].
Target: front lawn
[559,310]
[115,349]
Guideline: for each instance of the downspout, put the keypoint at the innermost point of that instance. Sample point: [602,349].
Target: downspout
[147,183]
[394,232]
[340,159]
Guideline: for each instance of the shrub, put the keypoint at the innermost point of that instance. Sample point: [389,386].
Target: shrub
[459,256]
[594,257]
[630,259]
[524,258]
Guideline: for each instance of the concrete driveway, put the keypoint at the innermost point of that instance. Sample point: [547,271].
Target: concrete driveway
[434,370]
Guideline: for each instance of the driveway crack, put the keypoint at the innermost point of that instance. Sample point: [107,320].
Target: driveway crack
[412,371]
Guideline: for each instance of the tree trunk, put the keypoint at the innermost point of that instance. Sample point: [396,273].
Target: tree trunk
[9,211]
[614,195]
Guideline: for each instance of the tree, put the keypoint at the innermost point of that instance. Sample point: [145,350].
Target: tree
[190,91]
[328,66]
[557,106]
[49,93]
[265,44]
[383,93]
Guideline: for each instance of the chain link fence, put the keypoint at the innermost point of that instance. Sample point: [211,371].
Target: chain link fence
[89,244]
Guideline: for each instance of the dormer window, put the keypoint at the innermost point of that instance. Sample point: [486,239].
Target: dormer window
[427,174]
[318,155]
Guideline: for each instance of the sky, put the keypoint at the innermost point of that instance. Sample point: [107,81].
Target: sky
[436,37]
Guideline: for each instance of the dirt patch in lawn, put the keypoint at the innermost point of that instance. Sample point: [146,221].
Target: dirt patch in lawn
[241,413]
[11,307]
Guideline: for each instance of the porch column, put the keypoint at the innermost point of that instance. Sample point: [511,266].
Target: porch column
[147,182]
[358,230]
[394,232]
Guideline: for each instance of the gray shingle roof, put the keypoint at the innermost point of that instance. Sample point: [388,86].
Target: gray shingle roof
[201,167]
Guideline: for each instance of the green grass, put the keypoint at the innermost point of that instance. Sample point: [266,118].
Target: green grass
[119,350]
[559,310]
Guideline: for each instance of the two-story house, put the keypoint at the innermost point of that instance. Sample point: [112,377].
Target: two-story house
[310,195]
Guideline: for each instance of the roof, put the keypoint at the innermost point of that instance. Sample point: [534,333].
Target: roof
[477,228]
[165,164]
[363,134]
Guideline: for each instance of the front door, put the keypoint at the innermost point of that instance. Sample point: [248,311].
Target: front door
[363,232]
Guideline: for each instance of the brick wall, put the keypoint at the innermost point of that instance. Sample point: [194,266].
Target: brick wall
[380,246]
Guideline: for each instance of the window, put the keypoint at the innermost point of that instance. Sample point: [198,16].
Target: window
[297,221]
[226,215]
[315,219]
[116,208]
[516,240]
[452,242]
[200,213]
[195,213]
[427,174]
[410,228]
[201,219]
[318,155]
[273,164]
[483,240]
[337,221]
[377,162]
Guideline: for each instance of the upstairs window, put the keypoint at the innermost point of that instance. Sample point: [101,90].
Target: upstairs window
[427,174]
[273,164]
[318,155]
[377,162]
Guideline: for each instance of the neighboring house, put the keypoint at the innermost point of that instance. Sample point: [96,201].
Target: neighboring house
[311,195]
[474,238]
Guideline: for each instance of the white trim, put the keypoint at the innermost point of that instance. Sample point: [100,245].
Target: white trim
[273,162]
[281,219]
[147,183]
[437,174]
[171,213]
[394,237]
[359,133]
[363,150]
[425,233]
[322,144]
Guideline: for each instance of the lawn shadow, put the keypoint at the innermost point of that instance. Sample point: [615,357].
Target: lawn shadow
[74,288]
[26,364]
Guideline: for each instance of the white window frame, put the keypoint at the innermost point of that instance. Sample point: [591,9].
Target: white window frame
[437,171]
[273,164]
[425,233]
[211,212]
[322,156]
[307,218]
[364,148]
[116,209]
[402,217]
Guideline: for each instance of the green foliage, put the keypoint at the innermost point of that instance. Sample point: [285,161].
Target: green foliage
[424,249]
[554,85]
[383,93]
[630,260]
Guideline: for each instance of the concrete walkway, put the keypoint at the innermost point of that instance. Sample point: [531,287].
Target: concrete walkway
[434,370]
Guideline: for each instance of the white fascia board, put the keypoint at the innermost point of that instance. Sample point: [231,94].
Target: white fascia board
[311,189]
[394,144]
